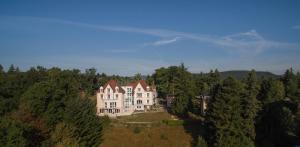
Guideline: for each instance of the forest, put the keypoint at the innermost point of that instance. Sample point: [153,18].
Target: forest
[53,107]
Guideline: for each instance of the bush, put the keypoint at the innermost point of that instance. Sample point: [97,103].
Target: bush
[105,121]
[201,142]
[136,130]
[163,137]
[174,122]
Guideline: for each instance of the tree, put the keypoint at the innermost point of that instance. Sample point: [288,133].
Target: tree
[213,78]
[48,99]
[137,77]
[290,83]
[149,80]
[178,82]
[11,87]
[37,97]
[13,133]
[183,88]
[250,105]
[276,124]
[87,127]
[11,69]
[162,80]
[297,122]
[201,84]
[286,120]
[224,119]
[62,136]
[271,90]
[91,80]
[1,69]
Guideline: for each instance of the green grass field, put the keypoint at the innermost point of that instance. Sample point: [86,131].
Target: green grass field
[154,130]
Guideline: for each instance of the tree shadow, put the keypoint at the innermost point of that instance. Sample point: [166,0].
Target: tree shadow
[195,128]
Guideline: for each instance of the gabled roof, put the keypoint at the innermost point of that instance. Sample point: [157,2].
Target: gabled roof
[114,84]
[143,84]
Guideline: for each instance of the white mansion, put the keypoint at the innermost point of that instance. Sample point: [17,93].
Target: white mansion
[116,100]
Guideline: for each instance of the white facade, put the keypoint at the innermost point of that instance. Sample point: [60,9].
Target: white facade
[115,100]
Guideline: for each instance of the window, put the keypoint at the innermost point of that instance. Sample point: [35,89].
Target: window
[108,89]
[108,96]
[139,101]
[105,105]
[147,101]
[139,89]
[139,94]
[112,104]
[117,96]
[117,89]
[148,95]
[102,96]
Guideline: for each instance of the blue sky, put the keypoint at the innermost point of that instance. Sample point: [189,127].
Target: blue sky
[136,36]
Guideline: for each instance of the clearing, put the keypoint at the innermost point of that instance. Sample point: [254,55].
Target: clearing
[152,129]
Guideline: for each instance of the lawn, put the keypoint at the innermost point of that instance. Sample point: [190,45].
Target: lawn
[153,117]
[152,131]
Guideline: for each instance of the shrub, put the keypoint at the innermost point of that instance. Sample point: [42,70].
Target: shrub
[163,137]
[201,142]
[174,122]
[105,121]
[136,130]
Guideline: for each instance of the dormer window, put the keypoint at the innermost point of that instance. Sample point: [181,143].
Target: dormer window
[148,88]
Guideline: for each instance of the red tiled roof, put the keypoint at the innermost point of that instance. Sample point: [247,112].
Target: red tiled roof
[113,84]
[143,84]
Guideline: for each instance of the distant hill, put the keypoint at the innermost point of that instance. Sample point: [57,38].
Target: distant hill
[241,74]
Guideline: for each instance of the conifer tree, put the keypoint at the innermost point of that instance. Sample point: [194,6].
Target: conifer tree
[213,78]
[1,69]
[270,91]
[137,77]
[183,90]
[11,69]
[250,105]
[87,127]
[290,83]
[224,115]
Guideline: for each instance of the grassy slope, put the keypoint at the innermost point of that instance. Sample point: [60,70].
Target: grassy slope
[121,134]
